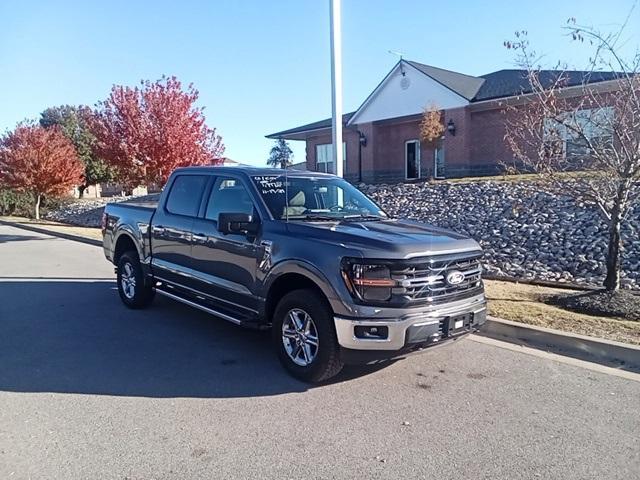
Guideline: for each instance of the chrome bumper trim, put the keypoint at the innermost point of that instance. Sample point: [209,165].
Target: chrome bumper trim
[397,326]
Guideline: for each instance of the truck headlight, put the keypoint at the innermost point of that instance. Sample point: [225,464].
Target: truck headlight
[368,281]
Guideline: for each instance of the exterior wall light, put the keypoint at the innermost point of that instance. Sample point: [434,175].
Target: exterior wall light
[451,127]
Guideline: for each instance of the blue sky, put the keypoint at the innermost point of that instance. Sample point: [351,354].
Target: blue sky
[263,66]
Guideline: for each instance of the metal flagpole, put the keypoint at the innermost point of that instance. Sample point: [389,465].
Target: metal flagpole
[336,84]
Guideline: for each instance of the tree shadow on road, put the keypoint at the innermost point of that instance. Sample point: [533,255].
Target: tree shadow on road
[76,337]
[18,238]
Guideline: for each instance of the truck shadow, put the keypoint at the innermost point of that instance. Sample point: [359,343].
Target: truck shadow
[70,336]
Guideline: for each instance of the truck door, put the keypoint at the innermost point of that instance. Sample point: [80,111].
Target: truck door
[225,265]
[171,229]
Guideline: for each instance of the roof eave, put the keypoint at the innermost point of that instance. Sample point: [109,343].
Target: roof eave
[301,135]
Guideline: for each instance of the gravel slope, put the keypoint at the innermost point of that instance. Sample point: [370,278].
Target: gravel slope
[526,233]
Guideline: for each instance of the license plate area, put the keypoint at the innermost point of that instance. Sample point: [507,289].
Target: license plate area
[457,324]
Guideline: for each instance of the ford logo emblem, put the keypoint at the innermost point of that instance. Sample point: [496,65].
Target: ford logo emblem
[455,277]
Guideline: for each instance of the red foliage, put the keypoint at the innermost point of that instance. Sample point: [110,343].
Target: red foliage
[38,160]
[146,132]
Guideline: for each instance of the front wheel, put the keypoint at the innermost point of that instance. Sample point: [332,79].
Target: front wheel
[133,290]
[305,336]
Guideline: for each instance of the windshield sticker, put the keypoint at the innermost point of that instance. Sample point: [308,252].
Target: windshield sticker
[270,184]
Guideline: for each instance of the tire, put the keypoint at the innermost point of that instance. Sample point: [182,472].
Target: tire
[134,291]
[295,345]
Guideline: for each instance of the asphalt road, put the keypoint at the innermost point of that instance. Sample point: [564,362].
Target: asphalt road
[91,390]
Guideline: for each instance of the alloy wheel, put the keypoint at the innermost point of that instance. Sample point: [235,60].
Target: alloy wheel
[128,281]
[300,337]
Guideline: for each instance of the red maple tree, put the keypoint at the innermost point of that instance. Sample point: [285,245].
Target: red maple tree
[146,132]
[40,161]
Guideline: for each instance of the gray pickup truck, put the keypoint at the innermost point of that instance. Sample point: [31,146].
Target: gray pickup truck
[304,254]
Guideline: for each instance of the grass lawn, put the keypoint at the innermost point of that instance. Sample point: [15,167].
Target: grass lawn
[520,302]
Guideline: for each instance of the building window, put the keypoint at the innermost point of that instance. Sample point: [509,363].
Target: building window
[570,135]
[324,158]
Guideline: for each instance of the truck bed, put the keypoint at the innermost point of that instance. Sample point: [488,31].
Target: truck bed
[137,213]
[148,201]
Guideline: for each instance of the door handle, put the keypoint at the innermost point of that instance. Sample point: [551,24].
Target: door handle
[199,237]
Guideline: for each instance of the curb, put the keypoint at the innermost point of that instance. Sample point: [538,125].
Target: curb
[605,352]
[66,236]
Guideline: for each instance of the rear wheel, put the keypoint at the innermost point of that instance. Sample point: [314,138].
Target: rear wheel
[133,290]
[305,336]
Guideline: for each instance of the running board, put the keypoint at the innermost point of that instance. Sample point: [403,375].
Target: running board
[211,311]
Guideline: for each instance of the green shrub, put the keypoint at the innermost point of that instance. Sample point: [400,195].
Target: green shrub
[21,204]
[15,203]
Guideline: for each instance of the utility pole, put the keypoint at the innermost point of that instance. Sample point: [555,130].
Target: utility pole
[336,84]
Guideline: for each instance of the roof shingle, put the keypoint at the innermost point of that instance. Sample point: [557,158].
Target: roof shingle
[508,83]
[464,85]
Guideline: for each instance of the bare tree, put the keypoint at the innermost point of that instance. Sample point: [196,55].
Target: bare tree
[584,139]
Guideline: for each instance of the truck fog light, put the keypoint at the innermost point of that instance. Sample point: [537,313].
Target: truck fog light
[371,332]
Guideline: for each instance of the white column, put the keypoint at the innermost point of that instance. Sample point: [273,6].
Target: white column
[336,84]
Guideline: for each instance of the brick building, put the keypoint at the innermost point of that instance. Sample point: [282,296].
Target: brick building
[382,141]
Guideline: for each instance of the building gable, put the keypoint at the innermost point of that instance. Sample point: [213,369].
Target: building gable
[405,91]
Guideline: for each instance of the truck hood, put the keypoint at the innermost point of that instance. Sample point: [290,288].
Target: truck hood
[391,238]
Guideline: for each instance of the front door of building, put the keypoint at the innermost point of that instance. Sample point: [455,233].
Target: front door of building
[412,159]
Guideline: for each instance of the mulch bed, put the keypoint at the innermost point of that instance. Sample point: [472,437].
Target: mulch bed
[620,304]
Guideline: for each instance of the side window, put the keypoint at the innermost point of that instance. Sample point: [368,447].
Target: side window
[228,196]
[185,195]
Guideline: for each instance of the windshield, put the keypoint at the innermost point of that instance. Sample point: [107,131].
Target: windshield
[315,198]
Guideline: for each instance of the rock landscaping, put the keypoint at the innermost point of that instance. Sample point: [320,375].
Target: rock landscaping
[526,232]
[88,212]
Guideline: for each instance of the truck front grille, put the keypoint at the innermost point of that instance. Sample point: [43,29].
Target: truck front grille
[425,279]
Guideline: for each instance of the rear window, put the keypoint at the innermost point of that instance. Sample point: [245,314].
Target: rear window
[185,195]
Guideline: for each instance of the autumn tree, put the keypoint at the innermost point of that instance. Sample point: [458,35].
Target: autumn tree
[146,132]
[42,162]
[73,121]
[585,145]
[280,155]
[431,125]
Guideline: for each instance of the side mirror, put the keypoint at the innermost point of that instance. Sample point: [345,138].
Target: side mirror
[237,223]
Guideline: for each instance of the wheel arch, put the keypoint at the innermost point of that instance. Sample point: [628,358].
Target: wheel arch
[289,281]
[124,243]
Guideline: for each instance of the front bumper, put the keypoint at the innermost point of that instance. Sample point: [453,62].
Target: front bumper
[415,327]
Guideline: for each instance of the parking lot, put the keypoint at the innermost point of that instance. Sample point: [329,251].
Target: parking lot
[89,389]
